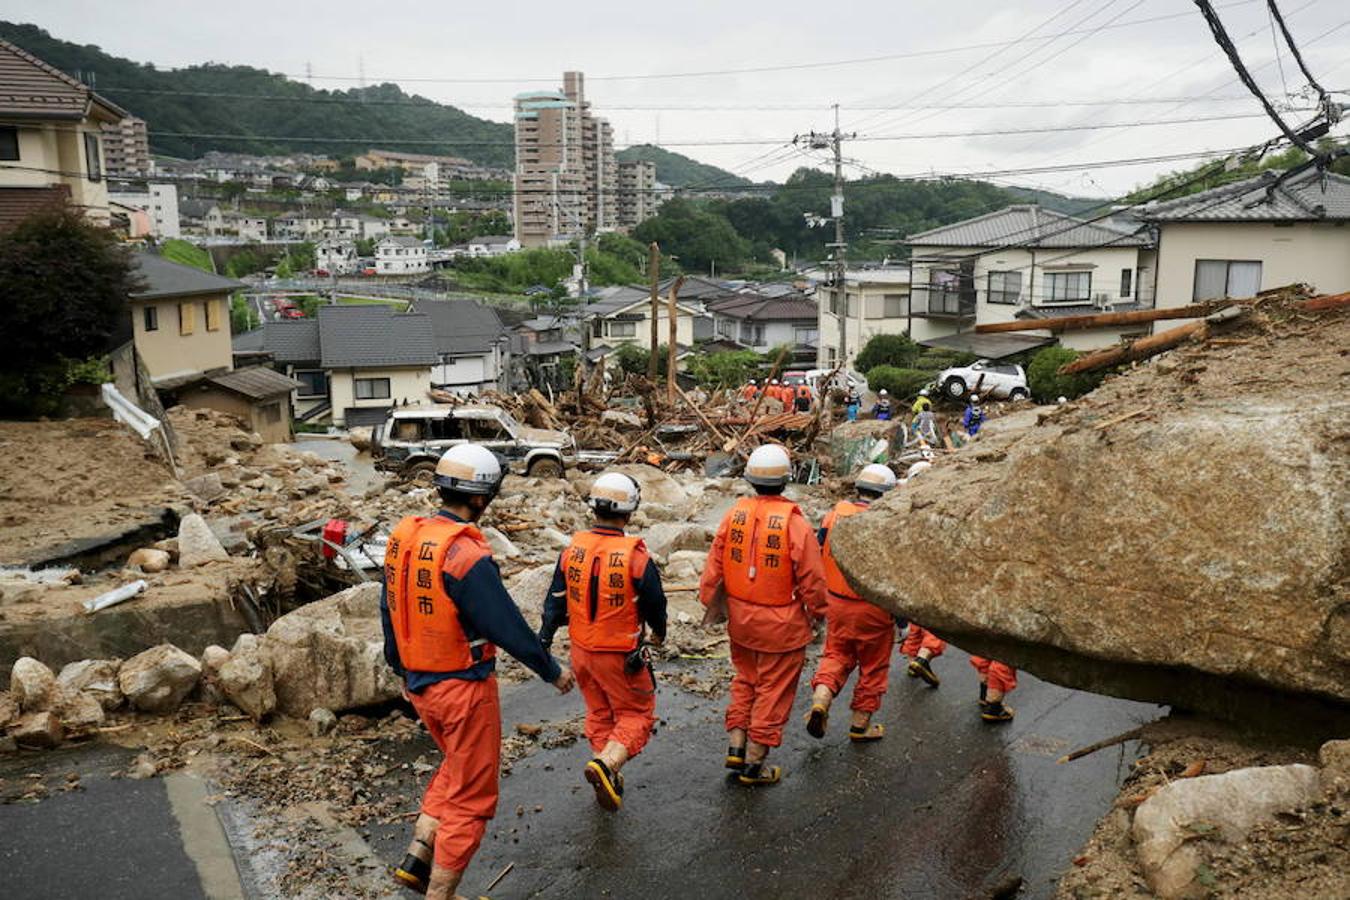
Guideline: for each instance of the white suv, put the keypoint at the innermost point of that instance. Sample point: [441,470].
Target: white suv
[985,379]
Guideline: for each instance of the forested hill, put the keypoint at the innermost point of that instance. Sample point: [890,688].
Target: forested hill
[232,100]
[678,170]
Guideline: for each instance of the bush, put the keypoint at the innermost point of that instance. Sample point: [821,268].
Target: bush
[1047,385]
[893,350]
[937,359]
[898,382]
[730,369]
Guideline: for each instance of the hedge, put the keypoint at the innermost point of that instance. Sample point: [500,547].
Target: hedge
[900,383]
[1047,385]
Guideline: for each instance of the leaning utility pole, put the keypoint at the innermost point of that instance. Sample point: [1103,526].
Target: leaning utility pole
[654,269]
[834,142]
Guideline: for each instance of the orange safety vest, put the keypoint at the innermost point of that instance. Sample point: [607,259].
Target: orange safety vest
[426,622]
[835,582]
[803,392]
[756,566]
[602,611]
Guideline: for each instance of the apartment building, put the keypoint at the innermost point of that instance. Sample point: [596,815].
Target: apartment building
[160,204]
[126,148]
[637,193]
[51,143]
[566,175]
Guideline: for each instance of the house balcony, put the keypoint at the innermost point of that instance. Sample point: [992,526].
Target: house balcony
[933,302]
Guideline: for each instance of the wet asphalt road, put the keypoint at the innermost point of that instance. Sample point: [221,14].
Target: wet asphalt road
[945,807]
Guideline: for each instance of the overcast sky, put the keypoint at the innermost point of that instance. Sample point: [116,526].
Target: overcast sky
[930,47]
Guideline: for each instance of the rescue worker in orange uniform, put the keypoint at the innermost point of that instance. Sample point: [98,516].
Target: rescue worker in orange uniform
[858,635]
[765,560]
[445,611]
[997,680]
[605,590]
[750,391]
[775,392]
[802,398]
[921,647]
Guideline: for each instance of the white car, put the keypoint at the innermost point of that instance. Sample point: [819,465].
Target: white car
[985,378]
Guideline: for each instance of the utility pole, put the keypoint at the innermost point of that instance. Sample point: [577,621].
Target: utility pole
[672,321]
[834,141]
[654,269]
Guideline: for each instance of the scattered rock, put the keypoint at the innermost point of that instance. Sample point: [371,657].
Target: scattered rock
[359,437]
[501,545]
[621,419]
[144,767]
[197,544]
[79,712]
[554,538]
[213,657]
[667,537]
[9,708]
[158,679]
[150,560]
[330,653]
[246,680]
[96,677]
[658,488]
[38,731]
[205,487]
[529,587]
[31,684]
[529,729]
[321,721]
[685,566]
[1334,758]
[1228,804]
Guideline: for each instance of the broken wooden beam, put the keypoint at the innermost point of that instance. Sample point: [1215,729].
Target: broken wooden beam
[1150,346]
[1098,320]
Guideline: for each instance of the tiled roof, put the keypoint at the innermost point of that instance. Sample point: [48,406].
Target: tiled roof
[1305,197]
[17,204]
[30,87]
[753,307]
[254,341]
[492,240]
[292,340]
[550,348]
[462,326]
[170,279]
[1025,226]
[374,336]
[255,382]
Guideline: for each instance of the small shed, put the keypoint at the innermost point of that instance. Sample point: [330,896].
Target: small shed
[260,396]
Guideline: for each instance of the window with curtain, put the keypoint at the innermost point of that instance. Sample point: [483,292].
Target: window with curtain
[1068,287]
[372,388]
[1005,287]
[1216,279]
[623,329]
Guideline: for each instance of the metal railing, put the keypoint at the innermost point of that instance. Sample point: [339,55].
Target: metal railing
[933,301]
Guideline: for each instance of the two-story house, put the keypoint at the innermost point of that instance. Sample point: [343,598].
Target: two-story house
[472,346]
[336,256]
[180,320]
[51,150]
[400,255]
[492,245]
[762,323]
[877,299]
[625,318]
[1024,262]
[1252,235]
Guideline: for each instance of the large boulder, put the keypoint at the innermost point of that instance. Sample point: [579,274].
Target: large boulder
[529,587]
[658,488]
[38,731]
[1164,538]
[31,684]
[666,538]
[330,653]
[197,544]
[95,677]
[79,712]
[159,679]
[246,680]
[1227,805]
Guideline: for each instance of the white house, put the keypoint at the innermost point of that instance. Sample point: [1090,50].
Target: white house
[878,303]
[400,255]
[472,344]
[159,202]
[762,323]
[335,255]
[373,228]
[492,245]
[246,227]
[1252,235]
[625,318]
[304,226]
[1025,262]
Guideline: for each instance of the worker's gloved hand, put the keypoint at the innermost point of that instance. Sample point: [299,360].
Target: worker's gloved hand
[565,681]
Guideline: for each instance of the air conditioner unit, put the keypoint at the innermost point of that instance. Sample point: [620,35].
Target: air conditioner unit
[1101,301]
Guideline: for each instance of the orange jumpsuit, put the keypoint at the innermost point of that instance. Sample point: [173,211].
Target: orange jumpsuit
[605,587]
[749,393]
[769,561]
[858,634]
[920,638]
[999,676]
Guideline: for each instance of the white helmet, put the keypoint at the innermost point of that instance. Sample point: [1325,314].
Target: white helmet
[752,381]
[920,466]
[875,479]
[881,393]
[923,392]
[615,493]
[469,469]
[775,381]
[768,466]
[974,398]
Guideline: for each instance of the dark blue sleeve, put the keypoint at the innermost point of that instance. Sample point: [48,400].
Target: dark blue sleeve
[487,611]
[555,607]
[390,645]
[651,600]
[821,534]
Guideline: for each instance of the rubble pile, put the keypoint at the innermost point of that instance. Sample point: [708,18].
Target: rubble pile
[1177,535]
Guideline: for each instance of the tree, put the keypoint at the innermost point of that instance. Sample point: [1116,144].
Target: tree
[1047,385]
[727,369]
[900,383]
[895,350]
[66,286]
[242,316]
[698,237]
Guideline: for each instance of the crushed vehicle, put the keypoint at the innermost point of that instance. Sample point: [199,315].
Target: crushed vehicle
[411,440]
[998,381]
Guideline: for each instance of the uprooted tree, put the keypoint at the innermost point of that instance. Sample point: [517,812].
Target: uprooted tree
[66,285]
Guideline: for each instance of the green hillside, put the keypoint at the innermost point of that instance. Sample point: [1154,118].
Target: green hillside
[343,122]
[677,170]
